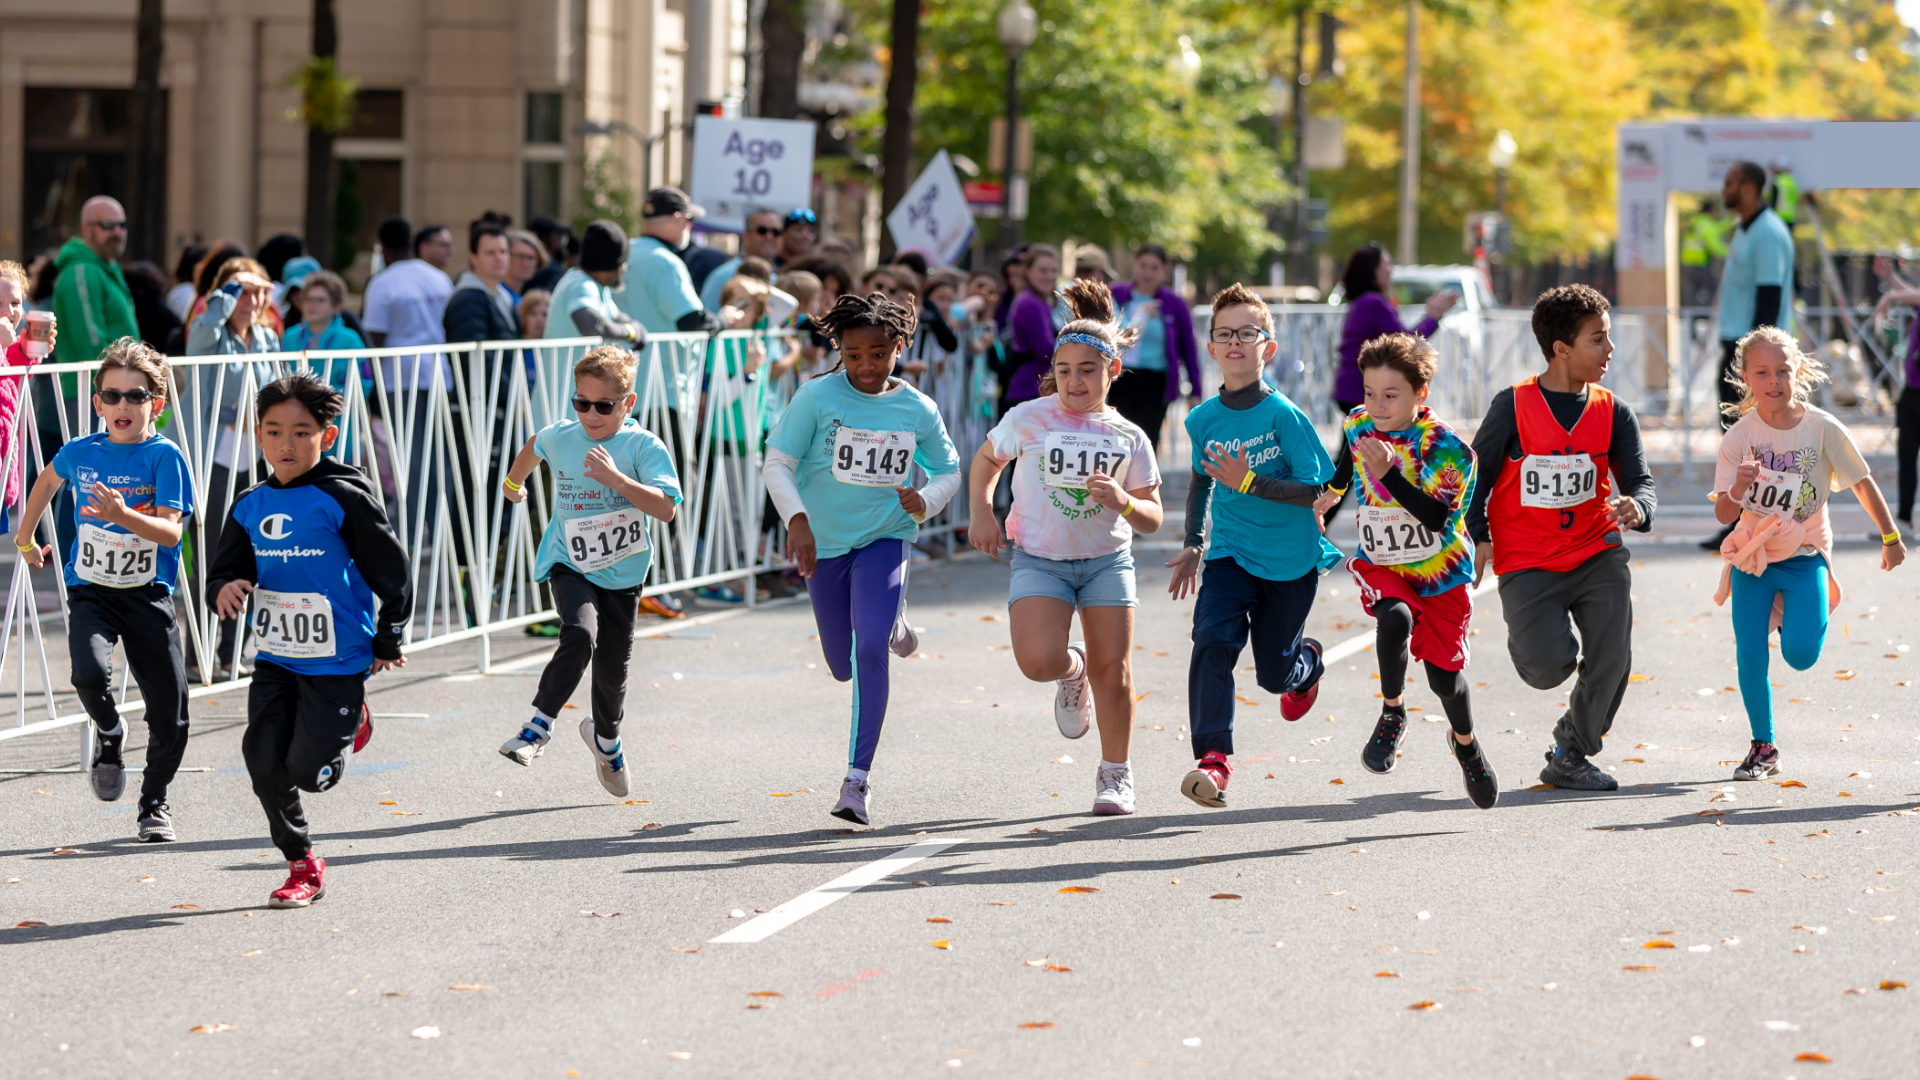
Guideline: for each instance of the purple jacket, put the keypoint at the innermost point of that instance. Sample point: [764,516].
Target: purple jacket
[1178,319]
[1369,315]
[1031,329]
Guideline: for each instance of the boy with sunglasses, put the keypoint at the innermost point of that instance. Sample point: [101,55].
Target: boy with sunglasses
[122,572]
[1258,460]
[609,476]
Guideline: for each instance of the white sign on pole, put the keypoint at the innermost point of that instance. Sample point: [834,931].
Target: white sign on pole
[1641,162]
[933,216]
[743,164]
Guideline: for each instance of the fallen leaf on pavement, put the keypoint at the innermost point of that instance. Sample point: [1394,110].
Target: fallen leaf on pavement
[1635,760]
[783,794]
[759,1004]
[1747,891]
[636,802]
[1000,903]
[1079,889]
[1224,896]
[1639,967]
[943,943]
[677,948]
[28,924]
[1042,962]
[255,952]
[1853,990]
[766,994]
[1790,783]
[469,986]
[1811,1056]
[600,915]
[650,826]
[210,1029]
[1711,813]
[1818,835]
[1893,984]
[1549,787]
[388,802]
[1660,944]
[1843,674]
[66,851]
[406,813]
[185,907]
[1425,1006]
[1336,781]
[937,918]
[1037,1025]
[1058,967]
[679,1055]
[394,993]
[1386,974]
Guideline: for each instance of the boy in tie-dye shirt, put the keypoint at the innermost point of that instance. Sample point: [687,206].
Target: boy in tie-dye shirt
[1414,562]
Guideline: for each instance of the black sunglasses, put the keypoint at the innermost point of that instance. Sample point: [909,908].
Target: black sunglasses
[765,230]
[110,226]
[132,397]
[604,408]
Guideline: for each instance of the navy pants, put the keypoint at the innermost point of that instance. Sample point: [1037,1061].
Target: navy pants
[857,598]
[1233,604]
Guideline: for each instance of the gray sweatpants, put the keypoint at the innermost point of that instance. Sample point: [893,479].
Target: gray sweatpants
[1543,608]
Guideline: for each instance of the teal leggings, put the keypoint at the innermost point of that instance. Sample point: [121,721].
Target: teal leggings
[1802,580]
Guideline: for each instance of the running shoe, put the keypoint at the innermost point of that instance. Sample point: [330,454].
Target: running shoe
[363,734]
[109,773]
[853,801]
[1569,768]
[1381,752]
[904,642]
[776,585]
[612,766]
[530,743]
[156,825]
[1073,704]
[1113,790]
[719,594]
[663,605]
[1295,703]
[304,883]
[1763,760]
[1207,783]
[1482,786]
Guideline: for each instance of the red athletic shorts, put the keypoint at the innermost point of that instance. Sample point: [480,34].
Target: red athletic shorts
[1439,622]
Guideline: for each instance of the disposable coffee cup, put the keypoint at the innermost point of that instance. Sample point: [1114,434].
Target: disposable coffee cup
[36,337]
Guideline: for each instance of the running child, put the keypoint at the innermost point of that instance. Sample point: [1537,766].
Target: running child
[123,573]
[1085,480]
[1552,452]
[311,547]
[1258,460]
[838,465]
[609,476]
[1414,564]
[1779,463]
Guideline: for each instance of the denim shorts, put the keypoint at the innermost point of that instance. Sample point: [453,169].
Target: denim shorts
[1102,581]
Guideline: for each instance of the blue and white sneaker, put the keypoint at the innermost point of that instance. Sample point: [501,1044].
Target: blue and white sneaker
[719,594]
[530,743]
[612,765]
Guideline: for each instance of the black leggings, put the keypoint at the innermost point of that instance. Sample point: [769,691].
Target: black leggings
[1395,627]
[1906,414]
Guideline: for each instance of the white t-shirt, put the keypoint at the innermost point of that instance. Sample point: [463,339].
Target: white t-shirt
[1799,468]
[1052,447]
[408,303]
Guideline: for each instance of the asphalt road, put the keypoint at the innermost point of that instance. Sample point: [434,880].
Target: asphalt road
[545,930]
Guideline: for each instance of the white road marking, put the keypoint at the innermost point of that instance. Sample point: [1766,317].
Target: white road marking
[839,888]
[1360,641]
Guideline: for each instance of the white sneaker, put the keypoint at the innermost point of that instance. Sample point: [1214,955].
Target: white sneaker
[612,766]
[904,641]
[1073,705]
[1113,790]
[530,743]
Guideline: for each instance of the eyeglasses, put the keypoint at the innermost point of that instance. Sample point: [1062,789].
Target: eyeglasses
[802,216]
[1245,335]
[111,226]
[604,408]
[765,230]
[131,397]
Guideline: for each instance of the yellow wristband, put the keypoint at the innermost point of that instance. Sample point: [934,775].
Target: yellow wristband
[1129,508]
[25,547]
[511,486]
[1246,482]
[1890,538]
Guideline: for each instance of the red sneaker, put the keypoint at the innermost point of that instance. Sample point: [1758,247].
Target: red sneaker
[364,734]
[1207,783]
[1295,703]
[304,884]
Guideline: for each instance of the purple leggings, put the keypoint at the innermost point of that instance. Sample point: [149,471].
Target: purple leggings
[857,598]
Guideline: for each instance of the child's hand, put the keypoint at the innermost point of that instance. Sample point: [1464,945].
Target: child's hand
[514,494]
[8,335]
[36,554]
[1743,479]
[1376,455]
[1186,568]
[1107,491]
[1891,555]
[380,665]
[983,532]
[107,505]
[601,469]
[911,502]
[1482,555]
[1324,502]
[800,545]
[232,599]
[1229,469]
[1624,512]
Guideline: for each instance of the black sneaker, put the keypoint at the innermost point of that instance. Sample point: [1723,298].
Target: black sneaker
[1482,786]
[1379,754]
[1569,768]
[156,825]
[1763,760]
[109,774]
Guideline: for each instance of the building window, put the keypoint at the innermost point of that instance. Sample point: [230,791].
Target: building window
[542,180]
[372,156]
[76,148]
[378,114]
[544,125]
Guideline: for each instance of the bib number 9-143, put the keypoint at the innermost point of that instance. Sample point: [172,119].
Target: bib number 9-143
[881,459]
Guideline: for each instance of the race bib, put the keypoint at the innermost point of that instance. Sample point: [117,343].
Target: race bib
[295,625]
[595,543]
[1391,536]
[880,459]
[1774,492]
[1557,481]
[1068,458]
[115,559]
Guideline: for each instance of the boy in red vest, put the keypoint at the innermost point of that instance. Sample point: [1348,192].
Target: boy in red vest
[1562,475]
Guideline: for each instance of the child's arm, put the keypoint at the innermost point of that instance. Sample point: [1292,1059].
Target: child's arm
[163,526]
[382,562]
[514,487]
[1141,506]
[1428,508]
[983,529]
[1727,504]
[650,500]
[1235,471]
[1893,552]
[233,572]
[44,489]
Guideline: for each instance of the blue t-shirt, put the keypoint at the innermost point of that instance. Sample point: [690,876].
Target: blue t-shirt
[1150,353]
[1760,253]
[1268,539]
[148,474]
[847,516]
[635,452]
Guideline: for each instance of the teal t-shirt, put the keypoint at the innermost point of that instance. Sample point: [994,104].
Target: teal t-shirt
[657,293]
[846,516]
[1760,253]
[1270,540]
[635,452]
[1150,353]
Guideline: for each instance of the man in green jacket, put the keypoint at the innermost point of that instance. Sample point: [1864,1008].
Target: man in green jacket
[90,297]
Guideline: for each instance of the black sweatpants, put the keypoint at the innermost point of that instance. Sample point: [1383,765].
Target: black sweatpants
[1543,609]
[596,625]
[141,618]
[298,730]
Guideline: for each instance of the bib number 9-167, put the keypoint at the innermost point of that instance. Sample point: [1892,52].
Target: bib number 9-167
[1070,458]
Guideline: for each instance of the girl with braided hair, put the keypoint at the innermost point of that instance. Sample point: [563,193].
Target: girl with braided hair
[1084,481]
[839,466]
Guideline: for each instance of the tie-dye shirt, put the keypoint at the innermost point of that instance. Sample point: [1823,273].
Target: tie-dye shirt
[1435,459]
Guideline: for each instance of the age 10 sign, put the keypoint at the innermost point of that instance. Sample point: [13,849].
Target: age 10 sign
[742,164]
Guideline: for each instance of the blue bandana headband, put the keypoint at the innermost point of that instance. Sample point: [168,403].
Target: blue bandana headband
[1099,346]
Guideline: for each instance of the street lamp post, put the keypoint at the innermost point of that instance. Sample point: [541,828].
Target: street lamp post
[608,127]
[1501,156]
[1017,26]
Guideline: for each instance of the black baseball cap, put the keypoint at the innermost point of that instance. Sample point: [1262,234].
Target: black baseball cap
[662,201]
[603,246]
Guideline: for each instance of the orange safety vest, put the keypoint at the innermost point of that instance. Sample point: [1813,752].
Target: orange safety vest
[1556,533]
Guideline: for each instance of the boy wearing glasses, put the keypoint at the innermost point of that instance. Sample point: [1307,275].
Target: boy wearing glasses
[609,476]
[1257,458]
[122,572]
